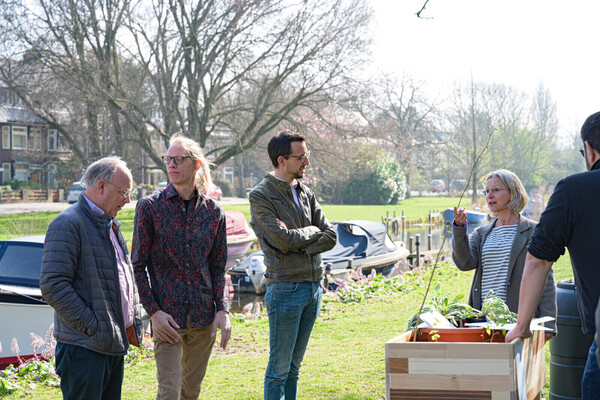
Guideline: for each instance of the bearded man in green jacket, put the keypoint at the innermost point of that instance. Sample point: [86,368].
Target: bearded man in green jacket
[292,231]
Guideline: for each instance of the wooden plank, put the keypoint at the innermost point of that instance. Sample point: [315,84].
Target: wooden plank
[433,350]
[407,394]
[503,395]
[449,382]
[460,366]
[481,350]
[397,365]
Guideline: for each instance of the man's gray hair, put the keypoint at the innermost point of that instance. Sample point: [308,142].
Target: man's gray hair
[103,169]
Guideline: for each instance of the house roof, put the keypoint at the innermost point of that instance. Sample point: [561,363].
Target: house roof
[18,114]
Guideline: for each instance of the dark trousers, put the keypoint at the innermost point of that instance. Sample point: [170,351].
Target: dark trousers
[87,375]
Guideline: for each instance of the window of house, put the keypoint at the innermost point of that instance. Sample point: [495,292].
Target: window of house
[35,139]
[6,172]
[62,144]
[21,172]
[13,100]
[52,139]
[56,142]
[19,138]
[6,137]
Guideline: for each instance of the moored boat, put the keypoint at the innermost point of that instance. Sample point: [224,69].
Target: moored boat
[473,217]
[239,237]
[363,245]
[360,244]
[23,312]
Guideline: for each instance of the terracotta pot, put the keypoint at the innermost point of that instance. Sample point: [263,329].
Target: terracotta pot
[452,335]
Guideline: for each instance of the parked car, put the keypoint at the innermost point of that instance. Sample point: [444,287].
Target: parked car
[159,187]
[215,192]
[457,186]
[437,185]
[74,192]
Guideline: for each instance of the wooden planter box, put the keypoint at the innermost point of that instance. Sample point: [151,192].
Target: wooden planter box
[460,370]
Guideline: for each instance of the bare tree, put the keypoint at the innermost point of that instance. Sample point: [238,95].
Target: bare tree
[227,70]
[405,120]
[523,128]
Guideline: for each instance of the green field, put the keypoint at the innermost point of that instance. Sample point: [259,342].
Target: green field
[416,208]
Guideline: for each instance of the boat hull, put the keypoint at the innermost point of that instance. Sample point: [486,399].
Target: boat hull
[237,251]
[19,321]
[473,217]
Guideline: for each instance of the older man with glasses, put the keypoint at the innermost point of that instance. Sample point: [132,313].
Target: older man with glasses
[179,255]
[571,220]
[87,278]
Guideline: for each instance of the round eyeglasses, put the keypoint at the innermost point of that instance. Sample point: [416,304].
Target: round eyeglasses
[177,159]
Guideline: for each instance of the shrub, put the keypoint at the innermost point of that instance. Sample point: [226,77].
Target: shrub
[377,180]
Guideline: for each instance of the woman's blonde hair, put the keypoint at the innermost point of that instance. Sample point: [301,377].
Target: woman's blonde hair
[203,179]
[518,194]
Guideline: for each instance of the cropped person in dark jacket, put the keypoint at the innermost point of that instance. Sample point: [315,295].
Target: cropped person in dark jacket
[292,231]
[88,279]
[497,251]
[572,221]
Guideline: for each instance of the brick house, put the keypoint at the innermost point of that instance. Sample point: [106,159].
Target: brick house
[29,148]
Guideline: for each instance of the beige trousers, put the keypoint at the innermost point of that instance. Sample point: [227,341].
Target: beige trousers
[181,366]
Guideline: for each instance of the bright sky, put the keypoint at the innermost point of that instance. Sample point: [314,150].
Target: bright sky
[516,42]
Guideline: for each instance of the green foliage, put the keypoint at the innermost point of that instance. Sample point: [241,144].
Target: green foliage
[376,180]
[225,185]
[453,310]
[14,184]
[359,287]
[496,311]
[137,354]
[27,376]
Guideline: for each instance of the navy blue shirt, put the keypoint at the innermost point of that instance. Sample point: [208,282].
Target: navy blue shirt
[572,220]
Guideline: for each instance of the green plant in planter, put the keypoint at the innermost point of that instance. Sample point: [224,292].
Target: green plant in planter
[496,311]
[453,310]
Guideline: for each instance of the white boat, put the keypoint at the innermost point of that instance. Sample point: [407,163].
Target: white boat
[360,244]
[23,312]
[239,237]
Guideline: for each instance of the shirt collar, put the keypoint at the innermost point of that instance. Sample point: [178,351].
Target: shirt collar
[93,206]
[295,183]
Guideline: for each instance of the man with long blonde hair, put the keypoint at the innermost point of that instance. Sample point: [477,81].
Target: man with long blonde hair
[179,255]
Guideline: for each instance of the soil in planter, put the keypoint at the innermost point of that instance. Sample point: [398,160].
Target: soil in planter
[452,335]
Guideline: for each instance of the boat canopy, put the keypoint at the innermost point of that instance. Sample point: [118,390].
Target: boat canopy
[359,239]
[237,227]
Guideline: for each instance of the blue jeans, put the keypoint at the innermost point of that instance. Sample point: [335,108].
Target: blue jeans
[87,375]
[293,309]
[590,383]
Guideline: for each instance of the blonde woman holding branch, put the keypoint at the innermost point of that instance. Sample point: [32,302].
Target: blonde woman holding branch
[497,251]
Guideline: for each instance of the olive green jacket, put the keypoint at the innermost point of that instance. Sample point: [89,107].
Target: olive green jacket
[290,238]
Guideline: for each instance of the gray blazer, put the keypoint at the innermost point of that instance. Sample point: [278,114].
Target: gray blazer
[466,253]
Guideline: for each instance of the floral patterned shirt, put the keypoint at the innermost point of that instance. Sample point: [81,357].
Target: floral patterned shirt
[179,257]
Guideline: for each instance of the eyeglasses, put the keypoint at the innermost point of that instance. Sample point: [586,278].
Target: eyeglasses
[177,159]
[582,150]
[123,192]
[302,157]
[485,192]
